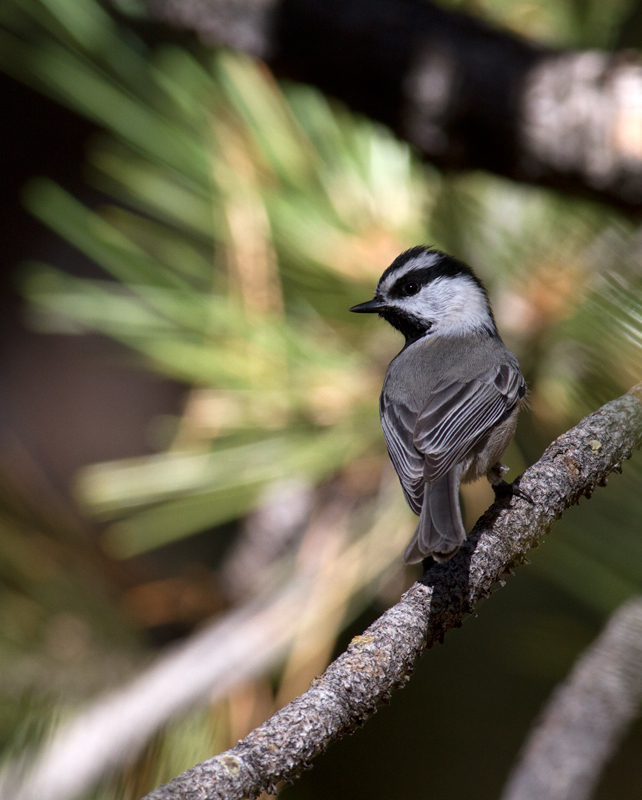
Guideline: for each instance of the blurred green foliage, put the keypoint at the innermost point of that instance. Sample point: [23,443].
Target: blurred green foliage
[569,23]
[247,217]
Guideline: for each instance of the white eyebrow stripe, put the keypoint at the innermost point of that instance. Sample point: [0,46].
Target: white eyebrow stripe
[418,262]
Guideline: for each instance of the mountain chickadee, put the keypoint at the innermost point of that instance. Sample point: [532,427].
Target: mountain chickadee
[451,397]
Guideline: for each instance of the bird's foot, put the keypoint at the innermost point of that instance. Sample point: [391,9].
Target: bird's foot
[504,489]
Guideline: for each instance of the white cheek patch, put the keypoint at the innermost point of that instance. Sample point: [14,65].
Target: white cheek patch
[467,310]
[455,306]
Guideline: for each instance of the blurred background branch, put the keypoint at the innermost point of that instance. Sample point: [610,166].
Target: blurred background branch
[586,718]
[299,620]
[468,95]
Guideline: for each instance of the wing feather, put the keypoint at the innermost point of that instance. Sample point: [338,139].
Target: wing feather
[448,429]
[423,447]
[398,423]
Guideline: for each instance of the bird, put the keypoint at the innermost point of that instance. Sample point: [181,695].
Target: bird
[451,397]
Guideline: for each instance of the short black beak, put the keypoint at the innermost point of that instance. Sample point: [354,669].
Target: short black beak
[371,307]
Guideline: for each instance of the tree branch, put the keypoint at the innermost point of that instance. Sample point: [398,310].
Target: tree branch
[467,95]
[380,660]
[330,568]
[586,717]
[114,728]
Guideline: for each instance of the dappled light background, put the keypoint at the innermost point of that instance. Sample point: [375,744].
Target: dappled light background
[224,225]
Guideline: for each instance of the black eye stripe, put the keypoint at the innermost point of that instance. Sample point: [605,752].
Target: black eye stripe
[447,267]
[415,278]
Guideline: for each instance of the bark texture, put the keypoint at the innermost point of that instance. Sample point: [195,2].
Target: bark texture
[586,717]
[467,95]
[381,660]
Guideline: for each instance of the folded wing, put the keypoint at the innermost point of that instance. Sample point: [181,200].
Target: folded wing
[459,415]
[398,423]
[424,447]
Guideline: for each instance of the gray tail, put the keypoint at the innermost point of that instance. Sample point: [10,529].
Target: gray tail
[440,532]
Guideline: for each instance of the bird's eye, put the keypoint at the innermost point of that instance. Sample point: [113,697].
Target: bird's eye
[411,288]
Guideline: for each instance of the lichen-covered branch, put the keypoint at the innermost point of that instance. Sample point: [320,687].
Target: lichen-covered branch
[586,717]
[380,661]
[116,726]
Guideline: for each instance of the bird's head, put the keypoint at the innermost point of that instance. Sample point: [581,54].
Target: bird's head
[427,292]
